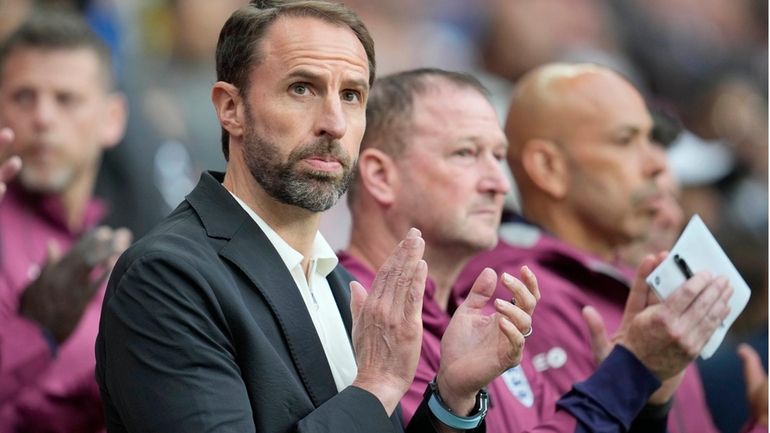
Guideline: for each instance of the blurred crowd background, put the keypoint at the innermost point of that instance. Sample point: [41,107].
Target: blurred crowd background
[702,62]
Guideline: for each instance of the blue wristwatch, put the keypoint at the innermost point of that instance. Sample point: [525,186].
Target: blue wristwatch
[447,417]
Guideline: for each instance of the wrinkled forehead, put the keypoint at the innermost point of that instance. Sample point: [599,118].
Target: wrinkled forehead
[296,39]
[73,66]
[450,113]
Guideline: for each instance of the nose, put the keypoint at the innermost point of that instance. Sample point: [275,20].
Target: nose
[331,120]
[493,180]
[43,113]
[654,160]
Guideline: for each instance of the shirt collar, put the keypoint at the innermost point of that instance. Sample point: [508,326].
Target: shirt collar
[50,207]
[321,251]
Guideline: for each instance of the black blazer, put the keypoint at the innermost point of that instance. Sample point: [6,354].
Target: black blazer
[204,330]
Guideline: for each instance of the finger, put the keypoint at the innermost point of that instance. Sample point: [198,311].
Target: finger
[652,298]
[481,291]
[640,291]
[10,168]
[358,296]
[396,265]
[705,318]
[521,293]
[6,137]
[121,240]
[530,280]
[514,314]
[516,342]
[54,252]
[413,300]
[600,342]
[80,259]
[697,311]
[686,294]
[400,285]
[98,246]
[637,297]
[753,372]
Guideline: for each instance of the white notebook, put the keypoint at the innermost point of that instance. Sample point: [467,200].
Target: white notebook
[696,250]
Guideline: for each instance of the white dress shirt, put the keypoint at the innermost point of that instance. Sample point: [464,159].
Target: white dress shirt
[318,298]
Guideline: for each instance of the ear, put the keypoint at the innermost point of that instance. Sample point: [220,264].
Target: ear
[378,175]
[116,116]
[227,105]
[546,166]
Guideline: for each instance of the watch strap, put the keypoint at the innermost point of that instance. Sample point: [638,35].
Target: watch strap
[445,415]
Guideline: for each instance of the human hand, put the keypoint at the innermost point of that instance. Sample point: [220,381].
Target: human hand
[476,348]
[665,336]
[66,284]
[756,383]
[11,166]
[387,323]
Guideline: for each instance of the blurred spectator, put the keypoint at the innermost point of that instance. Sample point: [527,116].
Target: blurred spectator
[668,219]
[707,60]
[49,300]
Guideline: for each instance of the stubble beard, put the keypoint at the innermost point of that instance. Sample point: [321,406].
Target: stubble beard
[36,179]
[315,191]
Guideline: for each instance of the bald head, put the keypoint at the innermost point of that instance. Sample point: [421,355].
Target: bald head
[552,101]
[579,148]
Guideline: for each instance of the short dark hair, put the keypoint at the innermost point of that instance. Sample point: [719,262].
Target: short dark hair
[54,29]
[390,105]
[238,46]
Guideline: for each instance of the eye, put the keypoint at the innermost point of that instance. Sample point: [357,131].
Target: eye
[300,89]
[625,139]
[465,153]
[66,99]
[24,97]
[351,96]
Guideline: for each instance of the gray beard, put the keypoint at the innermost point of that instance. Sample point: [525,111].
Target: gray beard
[315,191]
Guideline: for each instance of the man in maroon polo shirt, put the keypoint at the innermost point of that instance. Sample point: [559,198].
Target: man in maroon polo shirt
[431,158]
[56,96]
[587,174]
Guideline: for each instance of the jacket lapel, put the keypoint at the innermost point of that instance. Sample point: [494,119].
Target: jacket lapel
[250,250]
[339,281]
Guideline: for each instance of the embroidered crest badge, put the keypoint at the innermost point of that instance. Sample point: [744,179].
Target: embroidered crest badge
[518,385]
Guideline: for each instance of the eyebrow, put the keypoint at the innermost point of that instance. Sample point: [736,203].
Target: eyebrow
[476,139]
[626,129]
[307,75]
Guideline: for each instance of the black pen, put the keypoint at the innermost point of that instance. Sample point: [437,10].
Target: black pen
[682,265]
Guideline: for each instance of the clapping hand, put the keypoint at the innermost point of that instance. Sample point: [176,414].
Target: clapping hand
[476,348]
[387,323]
[68,282]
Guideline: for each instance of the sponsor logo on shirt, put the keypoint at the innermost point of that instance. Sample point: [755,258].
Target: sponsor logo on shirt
[555,357]
[518,384]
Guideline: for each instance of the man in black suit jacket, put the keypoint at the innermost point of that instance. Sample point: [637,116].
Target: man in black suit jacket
[232,316]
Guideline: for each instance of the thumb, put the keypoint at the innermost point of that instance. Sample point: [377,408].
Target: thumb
[358,296]
[482,289]
[637,297]
[600,343]
[753,372]
[756,383]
